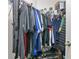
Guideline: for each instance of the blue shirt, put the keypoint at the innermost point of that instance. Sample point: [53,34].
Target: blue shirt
[56,24]
[37,21]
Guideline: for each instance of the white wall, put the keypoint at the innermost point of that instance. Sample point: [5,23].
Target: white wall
[10,31]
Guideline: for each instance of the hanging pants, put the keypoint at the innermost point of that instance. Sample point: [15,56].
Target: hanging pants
[36,43]
[51,36]
[25,44]
[56,36]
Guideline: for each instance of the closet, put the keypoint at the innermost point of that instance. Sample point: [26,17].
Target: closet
[38,30]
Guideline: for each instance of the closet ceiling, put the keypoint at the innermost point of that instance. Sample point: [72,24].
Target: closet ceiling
[40,4]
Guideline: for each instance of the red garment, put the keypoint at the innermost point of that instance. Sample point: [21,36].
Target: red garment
[49,27]
[25,43]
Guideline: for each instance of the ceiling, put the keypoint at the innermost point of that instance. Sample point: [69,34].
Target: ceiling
[40,4]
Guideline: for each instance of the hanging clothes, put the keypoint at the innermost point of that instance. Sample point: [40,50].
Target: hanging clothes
[56,24]
[62,35]
[25,44]
[37,22]
[38,28]
[31,18]
[50,29]
[62,21]
[45,31]
[35,30]
[42,28]
[23,29]
[32,27]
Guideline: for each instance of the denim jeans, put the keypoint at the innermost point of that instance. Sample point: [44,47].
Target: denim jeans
[36,42]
